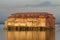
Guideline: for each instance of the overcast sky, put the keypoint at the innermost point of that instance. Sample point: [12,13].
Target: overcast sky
[8,7]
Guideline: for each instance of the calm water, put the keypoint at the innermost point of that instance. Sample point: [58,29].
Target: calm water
[2,36]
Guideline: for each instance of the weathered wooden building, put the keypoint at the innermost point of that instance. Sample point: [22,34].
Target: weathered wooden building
[30,26]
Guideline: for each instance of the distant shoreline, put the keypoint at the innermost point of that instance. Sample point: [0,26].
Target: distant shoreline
[1,23]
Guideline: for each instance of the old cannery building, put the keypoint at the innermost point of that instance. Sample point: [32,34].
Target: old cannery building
[30,26]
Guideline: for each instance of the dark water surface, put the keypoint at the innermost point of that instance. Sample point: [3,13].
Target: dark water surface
[2,36]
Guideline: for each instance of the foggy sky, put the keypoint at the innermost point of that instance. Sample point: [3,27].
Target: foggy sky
[8,7]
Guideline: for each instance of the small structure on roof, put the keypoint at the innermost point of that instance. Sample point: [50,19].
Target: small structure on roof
[30,26]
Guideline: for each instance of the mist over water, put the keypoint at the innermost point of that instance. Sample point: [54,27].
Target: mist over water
[2,34]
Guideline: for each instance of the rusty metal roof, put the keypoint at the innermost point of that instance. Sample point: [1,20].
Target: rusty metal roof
[29,14]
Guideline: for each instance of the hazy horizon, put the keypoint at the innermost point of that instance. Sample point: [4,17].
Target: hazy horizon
[13,6]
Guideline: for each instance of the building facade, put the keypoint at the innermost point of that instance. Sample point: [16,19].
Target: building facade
[30,26]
